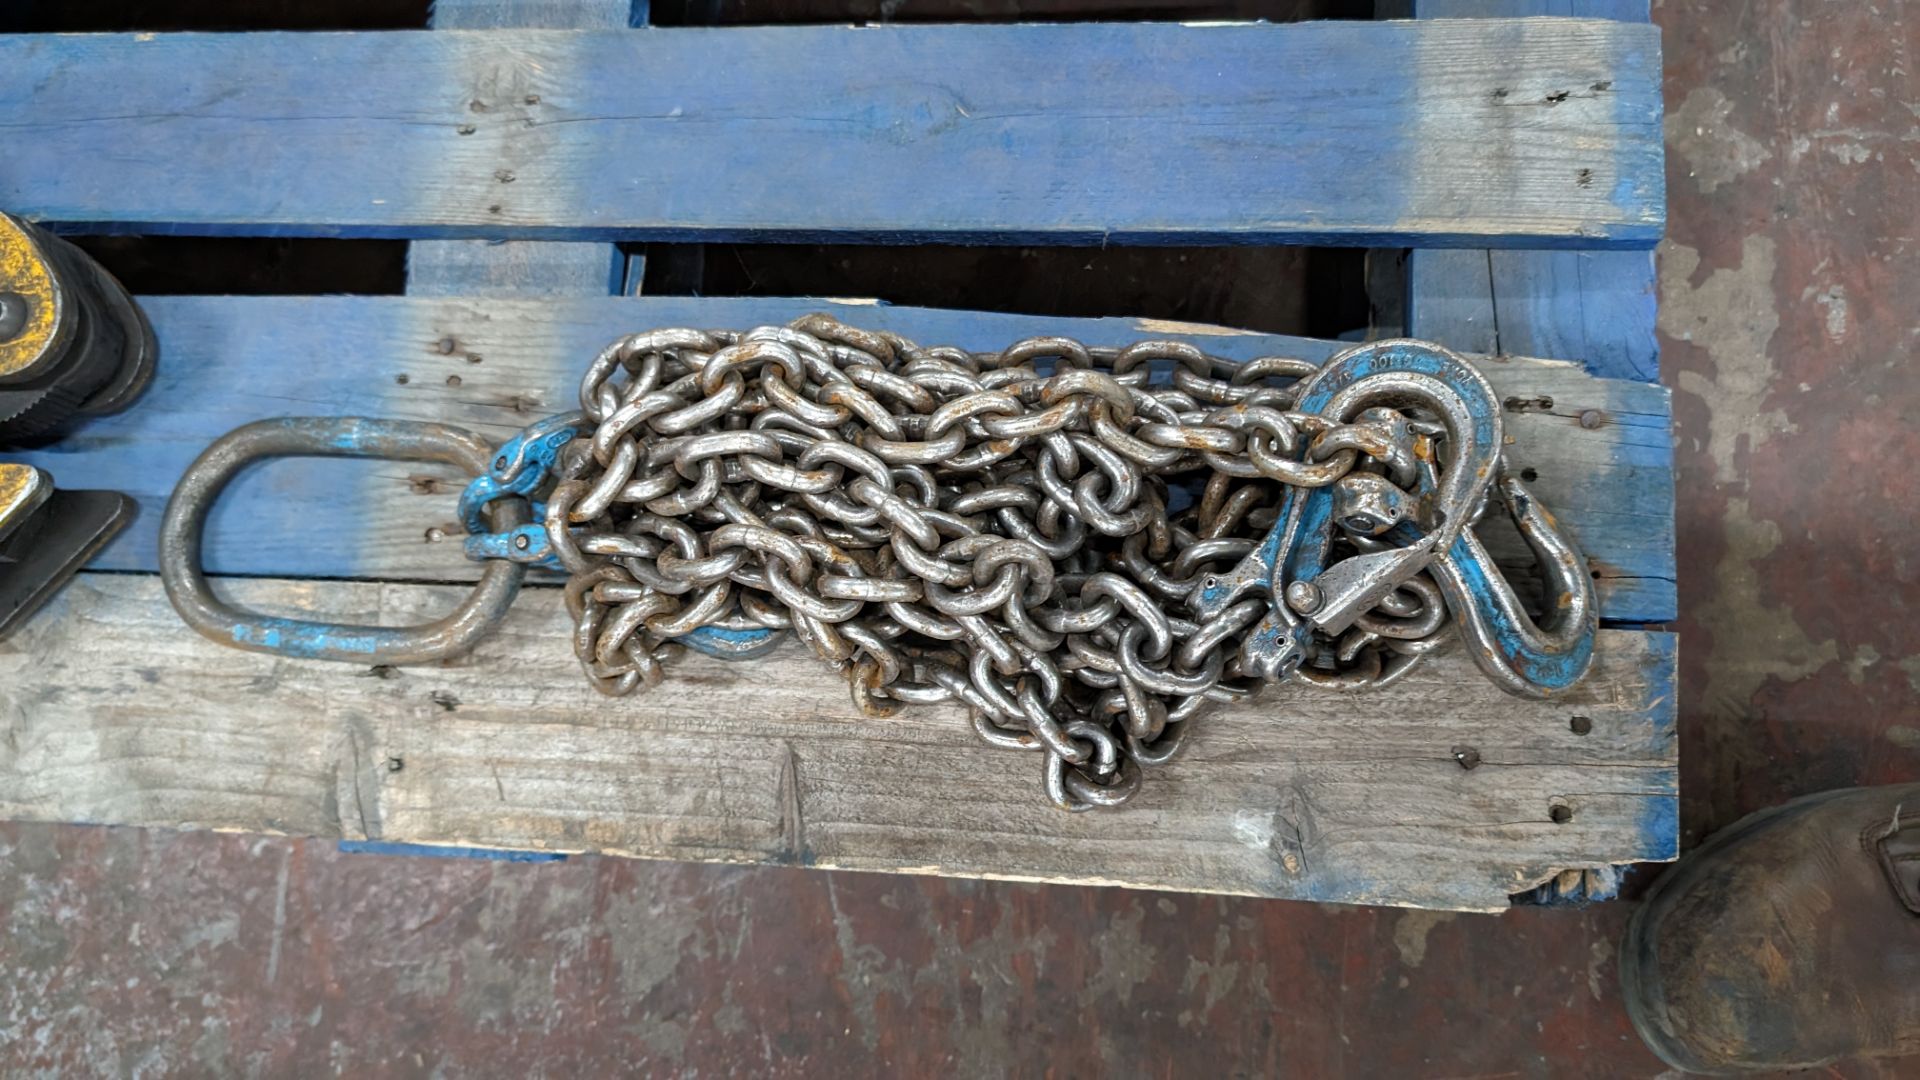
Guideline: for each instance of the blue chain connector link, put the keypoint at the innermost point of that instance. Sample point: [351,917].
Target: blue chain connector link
[520,468]
[525,544]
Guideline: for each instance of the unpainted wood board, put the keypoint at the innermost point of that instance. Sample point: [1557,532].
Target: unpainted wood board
[476,268]
[1440,133]
[496,365]
[115,713]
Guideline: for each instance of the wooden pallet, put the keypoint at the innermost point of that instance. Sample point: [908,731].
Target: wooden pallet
[1509,134]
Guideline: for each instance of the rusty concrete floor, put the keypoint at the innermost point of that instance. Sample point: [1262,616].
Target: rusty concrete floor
[1790,319]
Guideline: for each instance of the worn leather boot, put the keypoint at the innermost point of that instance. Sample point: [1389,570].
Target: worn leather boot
[1787,940]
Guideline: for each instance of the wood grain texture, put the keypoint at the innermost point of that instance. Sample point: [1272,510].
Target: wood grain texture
[537,14]
[496,365]
[116,714]
[1595,307]
[521,267]
[1450,299]
[1450,133]
[515,268]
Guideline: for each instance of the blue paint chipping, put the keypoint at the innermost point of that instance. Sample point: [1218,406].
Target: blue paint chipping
[1663,657]
[436,851]
[523,544]
[303,640]
[1659,826]
[245,634]
[1316,523]
[1635,187]
[526,267]
[536,14]
[1551,670]
[725,643]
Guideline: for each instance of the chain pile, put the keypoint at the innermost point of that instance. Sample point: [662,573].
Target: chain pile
[1026,532]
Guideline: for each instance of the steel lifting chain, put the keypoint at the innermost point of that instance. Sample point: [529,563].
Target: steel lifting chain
[1089,548]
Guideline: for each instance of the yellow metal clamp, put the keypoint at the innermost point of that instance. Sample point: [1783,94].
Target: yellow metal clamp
[22,489]
[34,315]
[46,536]
[73,344]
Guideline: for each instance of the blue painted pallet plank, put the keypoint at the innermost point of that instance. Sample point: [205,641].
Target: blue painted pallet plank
[1450,299]
[537,14]
[1087,133]
[497,365]
[1639,11]
[1595,307]
[522,267]
[447,851]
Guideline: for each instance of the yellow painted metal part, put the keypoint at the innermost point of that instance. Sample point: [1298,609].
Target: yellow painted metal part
[24,271]
[22,489]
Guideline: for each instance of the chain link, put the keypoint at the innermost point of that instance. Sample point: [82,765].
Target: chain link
[1028,533]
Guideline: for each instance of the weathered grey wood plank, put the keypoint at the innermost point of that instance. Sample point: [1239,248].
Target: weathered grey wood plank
[113,712]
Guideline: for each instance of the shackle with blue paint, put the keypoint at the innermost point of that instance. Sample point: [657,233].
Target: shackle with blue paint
[1414,516]
[524,467]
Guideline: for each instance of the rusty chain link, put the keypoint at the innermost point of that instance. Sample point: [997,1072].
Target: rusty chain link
[1037,533]
[1088,548]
